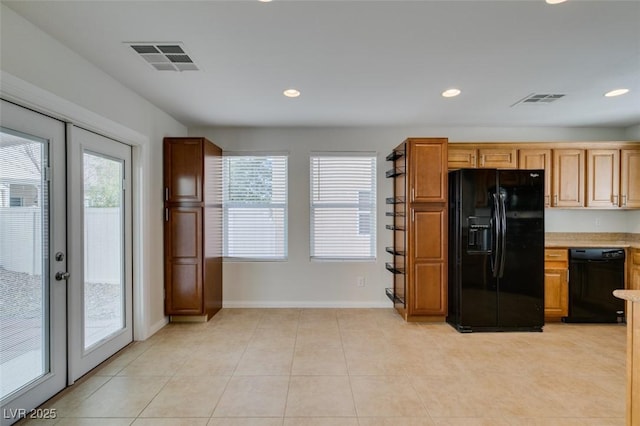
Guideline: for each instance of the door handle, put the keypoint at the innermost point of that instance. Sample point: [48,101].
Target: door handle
[503,234]
[495,255]
[62,276]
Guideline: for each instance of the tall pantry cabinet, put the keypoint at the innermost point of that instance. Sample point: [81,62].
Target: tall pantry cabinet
[192,228]
[418,210]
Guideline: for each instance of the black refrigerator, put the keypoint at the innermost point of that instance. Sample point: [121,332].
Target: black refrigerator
[496,250]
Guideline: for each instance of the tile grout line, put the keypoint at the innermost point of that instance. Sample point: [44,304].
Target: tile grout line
[232,375]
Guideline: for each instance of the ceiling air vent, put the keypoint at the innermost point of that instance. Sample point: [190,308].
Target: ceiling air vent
[539,99]
[165,56]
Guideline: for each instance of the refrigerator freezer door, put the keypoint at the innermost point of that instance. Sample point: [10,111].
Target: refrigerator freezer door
[521,283]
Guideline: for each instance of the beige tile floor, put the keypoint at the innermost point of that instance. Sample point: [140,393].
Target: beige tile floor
[348,367]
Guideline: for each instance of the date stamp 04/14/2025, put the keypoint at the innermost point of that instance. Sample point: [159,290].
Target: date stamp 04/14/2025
[36,413]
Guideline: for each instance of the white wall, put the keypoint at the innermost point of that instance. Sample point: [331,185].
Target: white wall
[39,72]
[633,133]
[300,282]
[558,220]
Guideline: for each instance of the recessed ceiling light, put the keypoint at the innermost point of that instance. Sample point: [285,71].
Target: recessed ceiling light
[616,92]
[555,1]
[291,93]
[264,1]
[450,93]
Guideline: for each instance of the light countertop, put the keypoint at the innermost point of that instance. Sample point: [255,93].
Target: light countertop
[630,295]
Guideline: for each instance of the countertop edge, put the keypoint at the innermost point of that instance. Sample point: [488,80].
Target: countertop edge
[630,295]
[592,240]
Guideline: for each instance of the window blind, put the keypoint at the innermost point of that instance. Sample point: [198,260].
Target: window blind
[255,206]
[343,206]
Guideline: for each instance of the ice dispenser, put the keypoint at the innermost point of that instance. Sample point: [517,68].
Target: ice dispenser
[479,237]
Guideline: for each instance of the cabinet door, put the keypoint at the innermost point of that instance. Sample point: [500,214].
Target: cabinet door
[183,170]
[603,177]
[428,274]
[462,157]
[568,178]
[556,293]
[634,269]
[498,158]
[183,261]
[536,159]
[630,178]
[428,171]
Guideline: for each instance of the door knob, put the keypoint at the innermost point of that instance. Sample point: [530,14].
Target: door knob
[62,276]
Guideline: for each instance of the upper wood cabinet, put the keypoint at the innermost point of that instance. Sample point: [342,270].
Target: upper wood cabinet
[630,178]
[426,170]
[183,170]
[498,158]
[538,159]
[461,157]
[466,157]
[568,176]
[599,175]
[603,177]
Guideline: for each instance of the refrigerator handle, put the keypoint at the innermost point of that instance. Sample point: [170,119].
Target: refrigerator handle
[495,254]
[503,235]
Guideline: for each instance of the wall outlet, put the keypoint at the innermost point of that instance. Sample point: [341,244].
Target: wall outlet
[360,282]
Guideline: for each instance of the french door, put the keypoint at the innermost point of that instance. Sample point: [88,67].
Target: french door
[100,305]
[65,255]
[33,260]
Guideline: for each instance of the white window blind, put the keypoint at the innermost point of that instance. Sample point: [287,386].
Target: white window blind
[343,206]
[255,206]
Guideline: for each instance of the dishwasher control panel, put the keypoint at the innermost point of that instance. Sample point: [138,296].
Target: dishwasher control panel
[596,253]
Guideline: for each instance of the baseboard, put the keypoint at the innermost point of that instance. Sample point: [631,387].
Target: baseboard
[303,304]
[156,327]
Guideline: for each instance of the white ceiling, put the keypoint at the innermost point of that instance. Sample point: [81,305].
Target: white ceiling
[364,63]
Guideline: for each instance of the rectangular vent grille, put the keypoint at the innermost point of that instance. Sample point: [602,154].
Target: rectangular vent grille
[165,56]
[539,99]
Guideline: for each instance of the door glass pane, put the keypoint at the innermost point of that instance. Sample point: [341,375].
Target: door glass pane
[103,246]
[24,282]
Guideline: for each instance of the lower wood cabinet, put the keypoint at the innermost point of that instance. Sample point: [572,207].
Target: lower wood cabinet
[556,284]
[634,269]
[428,270]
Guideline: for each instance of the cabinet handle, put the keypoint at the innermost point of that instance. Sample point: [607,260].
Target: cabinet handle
[413,216]
[413,194]
[555,200]
[166,194]
[166,215]
[482,160]
[547,200]
[624,200]
[553,255]
[615,200]
[473,160]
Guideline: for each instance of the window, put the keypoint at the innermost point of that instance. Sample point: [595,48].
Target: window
[343,206]
[255,206]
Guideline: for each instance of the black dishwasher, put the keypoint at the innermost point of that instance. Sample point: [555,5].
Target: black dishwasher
[593,275]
